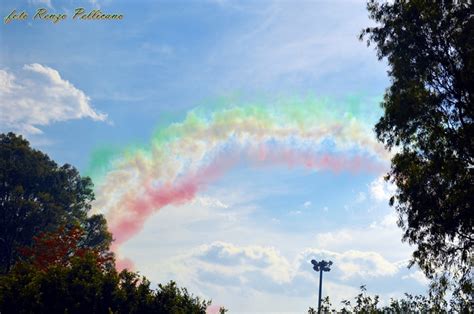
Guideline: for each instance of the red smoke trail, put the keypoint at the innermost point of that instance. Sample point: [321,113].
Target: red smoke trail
[124,263]
[141,207]
[311,160]
[155,198]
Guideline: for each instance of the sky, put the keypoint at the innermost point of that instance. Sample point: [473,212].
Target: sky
[230,142]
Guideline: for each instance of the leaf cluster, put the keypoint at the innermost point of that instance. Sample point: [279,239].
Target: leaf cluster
[84,287]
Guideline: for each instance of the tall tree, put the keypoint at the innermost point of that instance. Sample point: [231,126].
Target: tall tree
[38,195]
[428,122]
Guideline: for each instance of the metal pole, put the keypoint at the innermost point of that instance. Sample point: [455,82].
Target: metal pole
[320,288]
[321,266]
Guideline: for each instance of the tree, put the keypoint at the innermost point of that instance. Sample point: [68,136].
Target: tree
[60,247]
[82,286]
[38,195]
[428,122]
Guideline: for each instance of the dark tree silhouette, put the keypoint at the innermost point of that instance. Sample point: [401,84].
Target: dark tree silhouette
[37,195]
[428,122]
[82,286]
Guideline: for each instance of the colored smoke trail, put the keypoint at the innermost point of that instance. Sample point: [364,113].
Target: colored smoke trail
[185,157]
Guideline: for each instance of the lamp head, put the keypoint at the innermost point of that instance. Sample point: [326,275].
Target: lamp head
[322,265]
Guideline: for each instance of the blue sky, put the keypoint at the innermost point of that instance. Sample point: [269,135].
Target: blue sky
[246,241]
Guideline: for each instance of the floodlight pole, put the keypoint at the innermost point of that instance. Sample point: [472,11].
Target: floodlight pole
[320,289]
[321,266]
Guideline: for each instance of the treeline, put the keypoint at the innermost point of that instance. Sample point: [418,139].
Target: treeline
[84,287]
[434,302]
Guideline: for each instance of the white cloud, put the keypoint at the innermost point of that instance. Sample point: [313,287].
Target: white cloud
[381,190]
[6,82]
[243,265]
[354,263]
[244,262]
[39,96]
[307,204]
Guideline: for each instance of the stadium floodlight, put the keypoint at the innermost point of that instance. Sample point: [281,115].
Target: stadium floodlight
[321,266]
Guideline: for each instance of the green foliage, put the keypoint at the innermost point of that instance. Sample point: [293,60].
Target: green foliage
[85,287]
[37,195]
[364,303]
[428,122]
[223,310]
[326,307]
